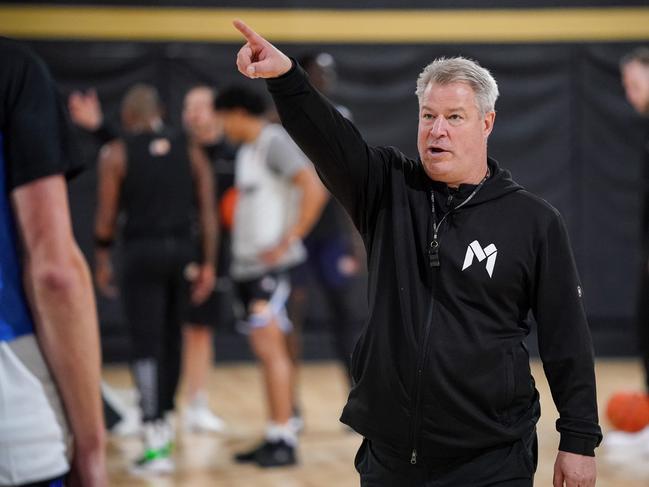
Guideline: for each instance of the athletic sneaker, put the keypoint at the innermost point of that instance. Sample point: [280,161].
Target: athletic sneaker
[158,447]
[269,454]
[199,419]
[296,421]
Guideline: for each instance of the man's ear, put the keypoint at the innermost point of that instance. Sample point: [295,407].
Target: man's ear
[489,120]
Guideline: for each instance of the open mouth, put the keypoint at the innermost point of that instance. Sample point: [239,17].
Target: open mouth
[436,150]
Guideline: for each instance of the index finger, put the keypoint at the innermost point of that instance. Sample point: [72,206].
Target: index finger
[247,32]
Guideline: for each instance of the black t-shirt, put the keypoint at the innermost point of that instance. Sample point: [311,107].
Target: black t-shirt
[33,121]
[157,196]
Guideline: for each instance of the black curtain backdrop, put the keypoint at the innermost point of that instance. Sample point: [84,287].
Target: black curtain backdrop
[563,128]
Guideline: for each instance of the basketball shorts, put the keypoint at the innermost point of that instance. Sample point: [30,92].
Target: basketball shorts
[272,287]
[34,439]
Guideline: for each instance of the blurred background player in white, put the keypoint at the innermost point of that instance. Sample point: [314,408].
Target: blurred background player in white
[205,128]
[279,201]
[154,179]
[49,339]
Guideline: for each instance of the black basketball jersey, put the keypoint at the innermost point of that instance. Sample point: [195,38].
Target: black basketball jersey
[158,198]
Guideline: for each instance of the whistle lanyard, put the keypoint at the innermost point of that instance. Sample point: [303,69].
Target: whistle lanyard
[433,251]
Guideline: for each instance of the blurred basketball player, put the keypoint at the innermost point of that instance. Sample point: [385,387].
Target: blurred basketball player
[279,201]
[206,129]
[154,179]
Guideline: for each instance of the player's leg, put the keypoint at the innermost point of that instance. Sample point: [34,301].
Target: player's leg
[267,325]
[198,357]
[144,295]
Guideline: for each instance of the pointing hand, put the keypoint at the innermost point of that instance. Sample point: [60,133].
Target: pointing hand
[258,58]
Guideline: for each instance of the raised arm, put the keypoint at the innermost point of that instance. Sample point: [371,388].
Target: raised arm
[86,113]
[354,172]
[85,110]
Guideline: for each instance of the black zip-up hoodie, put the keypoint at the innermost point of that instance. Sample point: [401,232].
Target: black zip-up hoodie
[441,368]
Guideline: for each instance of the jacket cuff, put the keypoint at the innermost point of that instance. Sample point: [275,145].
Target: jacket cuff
[578,444]
[289,81]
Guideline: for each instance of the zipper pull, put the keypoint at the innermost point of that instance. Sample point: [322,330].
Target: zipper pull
[433,253]
[413,457]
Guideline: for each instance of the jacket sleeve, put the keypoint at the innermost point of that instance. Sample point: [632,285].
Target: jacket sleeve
[565,344]
[352,171]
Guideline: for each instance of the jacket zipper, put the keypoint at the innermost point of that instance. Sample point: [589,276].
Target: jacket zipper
[420,367]
[433,259]
[421,361]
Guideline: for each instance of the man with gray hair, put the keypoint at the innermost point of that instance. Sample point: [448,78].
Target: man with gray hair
[458,255]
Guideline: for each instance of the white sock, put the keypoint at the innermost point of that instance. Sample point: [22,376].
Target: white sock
[199,400]
[276,431]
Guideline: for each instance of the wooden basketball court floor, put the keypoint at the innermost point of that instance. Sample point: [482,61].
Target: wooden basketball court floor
[327,448]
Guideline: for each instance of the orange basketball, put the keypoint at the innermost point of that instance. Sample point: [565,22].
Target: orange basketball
[227,206]
[628,411]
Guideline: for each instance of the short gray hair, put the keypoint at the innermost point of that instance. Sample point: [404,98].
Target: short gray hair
[445,71]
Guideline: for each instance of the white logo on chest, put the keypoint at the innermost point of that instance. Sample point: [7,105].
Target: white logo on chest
[475,250]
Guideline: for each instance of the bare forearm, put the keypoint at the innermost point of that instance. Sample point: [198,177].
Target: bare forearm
[67,331]
[105,225]
[204,187]
[102,256]
[209,235]
[57,283]
[112,168]
[314,198]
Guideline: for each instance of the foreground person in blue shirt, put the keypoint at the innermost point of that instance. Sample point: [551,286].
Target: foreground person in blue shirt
[49,340]
[458,254]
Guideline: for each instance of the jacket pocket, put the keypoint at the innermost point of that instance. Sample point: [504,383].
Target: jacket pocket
[472,384]
[374,373]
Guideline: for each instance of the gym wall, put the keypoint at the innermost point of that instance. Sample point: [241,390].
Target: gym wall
[563,126]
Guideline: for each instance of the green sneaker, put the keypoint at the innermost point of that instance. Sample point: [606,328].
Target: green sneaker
[158,448]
